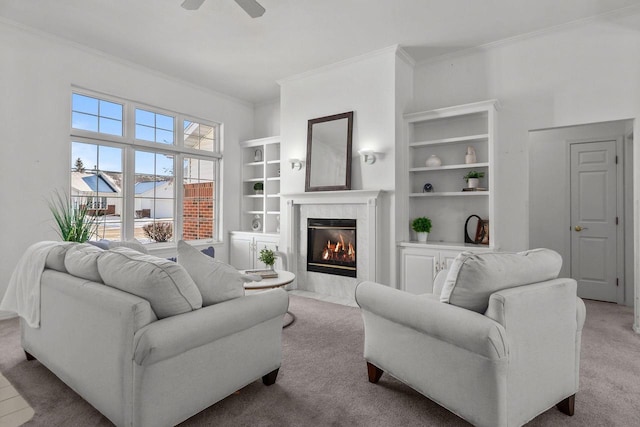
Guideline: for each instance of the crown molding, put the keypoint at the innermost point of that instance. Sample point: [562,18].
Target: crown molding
[323,69]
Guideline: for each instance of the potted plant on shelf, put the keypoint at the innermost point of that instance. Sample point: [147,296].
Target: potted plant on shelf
[258,187]
[267,257]
[422,226]
[473,178]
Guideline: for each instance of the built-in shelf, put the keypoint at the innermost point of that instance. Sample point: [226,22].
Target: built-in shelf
[451,167]
[451,194]
[261,163]
[459,139]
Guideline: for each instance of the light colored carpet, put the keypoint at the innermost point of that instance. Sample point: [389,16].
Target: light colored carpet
[323,380]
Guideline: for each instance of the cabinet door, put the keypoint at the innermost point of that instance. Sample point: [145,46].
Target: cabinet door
[241,254]
[446,259]
[417,270]
[262,243]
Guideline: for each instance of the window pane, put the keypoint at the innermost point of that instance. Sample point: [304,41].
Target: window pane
[164,136]
[199,136]
[84,104]
[154,127]
[145,163]
[144,117]
[111,110]
[96,183]
[96,115]
[199,199]
[164,122]
[84,122]
[111,127]
[154,197]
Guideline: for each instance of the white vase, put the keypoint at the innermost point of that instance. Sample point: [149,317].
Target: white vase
[422,237]
[470,155]
[433,161]
[474,182]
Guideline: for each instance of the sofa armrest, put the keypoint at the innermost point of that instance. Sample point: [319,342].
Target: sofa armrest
[177,334]
[463,328]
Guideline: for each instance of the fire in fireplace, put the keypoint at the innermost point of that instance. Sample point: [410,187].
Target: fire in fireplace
[331,246]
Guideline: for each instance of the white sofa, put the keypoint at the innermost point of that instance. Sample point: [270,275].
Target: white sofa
[497,344]
[110,347]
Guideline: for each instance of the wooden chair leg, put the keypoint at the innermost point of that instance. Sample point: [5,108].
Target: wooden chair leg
[567,406]
[374,373]
[29,355]
[270,378]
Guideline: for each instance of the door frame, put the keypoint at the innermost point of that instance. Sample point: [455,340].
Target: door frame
[620,198]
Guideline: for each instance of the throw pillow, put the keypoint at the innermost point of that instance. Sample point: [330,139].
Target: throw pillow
[473,277]
[216,280]
[165,284]
[82,261]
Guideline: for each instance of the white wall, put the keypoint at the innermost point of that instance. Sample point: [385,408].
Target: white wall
[548,176]
[581,73]
[267,119]
[365,85]
[37,74]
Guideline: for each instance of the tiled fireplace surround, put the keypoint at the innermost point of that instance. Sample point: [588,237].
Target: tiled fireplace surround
[361,205]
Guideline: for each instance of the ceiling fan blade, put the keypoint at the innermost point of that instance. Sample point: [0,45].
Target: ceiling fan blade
[252,7]
[192,4]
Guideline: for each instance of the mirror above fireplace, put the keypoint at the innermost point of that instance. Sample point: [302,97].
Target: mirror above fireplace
[329,153]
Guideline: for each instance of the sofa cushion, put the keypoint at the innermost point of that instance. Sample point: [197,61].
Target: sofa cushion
[216,280]
[110,244]
[165,284]
[473,277]
[82,261]
[56,255]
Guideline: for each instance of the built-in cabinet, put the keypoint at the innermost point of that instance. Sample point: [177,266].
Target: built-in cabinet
[436,157]
[261,185]
[244,249]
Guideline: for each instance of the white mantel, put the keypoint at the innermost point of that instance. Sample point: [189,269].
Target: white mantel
[364,205]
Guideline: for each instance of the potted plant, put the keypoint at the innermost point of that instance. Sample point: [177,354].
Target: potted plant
[267,257]
[75,223]
[473,178]
[258,187]
[422,226]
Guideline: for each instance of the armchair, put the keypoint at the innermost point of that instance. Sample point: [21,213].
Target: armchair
[507,352]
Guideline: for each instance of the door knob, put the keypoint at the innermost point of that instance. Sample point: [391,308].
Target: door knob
[578,228]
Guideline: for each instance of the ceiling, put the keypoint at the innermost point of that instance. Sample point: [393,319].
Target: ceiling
[221,48]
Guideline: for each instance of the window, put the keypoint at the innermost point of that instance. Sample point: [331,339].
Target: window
[96,115]
[148,197]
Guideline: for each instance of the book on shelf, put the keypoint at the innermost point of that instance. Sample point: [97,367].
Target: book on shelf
[264,274]
[474,189]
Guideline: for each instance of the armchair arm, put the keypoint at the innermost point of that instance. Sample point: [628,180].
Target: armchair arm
[463,328]
[177,334]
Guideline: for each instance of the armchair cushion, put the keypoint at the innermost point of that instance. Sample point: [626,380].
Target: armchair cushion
[56,255]
[82,261]
[472,278]
[216,280]
[165,284]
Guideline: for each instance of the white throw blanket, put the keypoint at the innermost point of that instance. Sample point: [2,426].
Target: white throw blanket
[23,294]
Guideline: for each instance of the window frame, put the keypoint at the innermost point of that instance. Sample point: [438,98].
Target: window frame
[129,144]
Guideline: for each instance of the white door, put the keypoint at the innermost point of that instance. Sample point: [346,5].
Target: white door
[594,204]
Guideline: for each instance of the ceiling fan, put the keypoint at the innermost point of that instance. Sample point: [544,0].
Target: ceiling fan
[252,7]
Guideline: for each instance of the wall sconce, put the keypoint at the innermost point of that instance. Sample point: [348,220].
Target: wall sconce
[368,157]
[296,164]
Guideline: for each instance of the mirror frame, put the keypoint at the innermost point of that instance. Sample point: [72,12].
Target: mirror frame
[347,180]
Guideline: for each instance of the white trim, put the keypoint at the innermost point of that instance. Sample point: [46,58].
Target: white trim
[370,198]
[339,64]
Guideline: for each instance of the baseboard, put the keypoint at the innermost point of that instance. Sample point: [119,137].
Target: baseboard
[5,315]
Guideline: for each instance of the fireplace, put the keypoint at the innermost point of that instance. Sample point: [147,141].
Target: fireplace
[331,246]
